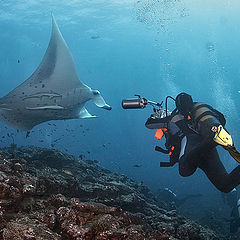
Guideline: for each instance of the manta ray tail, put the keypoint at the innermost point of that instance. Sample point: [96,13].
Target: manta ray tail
[99,101]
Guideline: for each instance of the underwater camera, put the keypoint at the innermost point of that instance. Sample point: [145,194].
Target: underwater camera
[139,103]
[134,103]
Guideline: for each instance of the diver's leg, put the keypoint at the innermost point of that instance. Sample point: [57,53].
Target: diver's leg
[216,172]
[188,162]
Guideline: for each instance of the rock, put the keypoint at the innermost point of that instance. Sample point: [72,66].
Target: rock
[24,228]
[46,194]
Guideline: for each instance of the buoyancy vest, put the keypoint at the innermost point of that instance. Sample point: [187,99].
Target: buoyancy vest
[171,127]
[203,117]
[202,120]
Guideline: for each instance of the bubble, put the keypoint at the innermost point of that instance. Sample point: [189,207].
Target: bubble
[160,12]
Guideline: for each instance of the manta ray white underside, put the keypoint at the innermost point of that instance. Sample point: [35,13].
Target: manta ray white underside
[52,92]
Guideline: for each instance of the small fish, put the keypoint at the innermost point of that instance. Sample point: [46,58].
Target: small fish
[95,37]
[67,171]
[27,134]
[18,61]
[137,165]
[81,156]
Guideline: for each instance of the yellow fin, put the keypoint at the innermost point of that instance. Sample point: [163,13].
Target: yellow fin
[222,137]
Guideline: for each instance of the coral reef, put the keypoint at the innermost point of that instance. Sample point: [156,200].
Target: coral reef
[46,194]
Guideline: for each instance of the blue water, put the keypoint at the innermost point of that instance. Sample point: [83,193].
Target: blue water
[151,47]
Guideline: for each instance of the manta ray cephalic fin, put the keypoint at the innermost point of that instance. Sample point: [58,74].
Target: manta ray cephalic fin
[85,114]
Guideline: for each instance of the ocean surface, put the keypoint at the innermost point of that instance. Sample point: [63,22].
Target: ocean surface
[154,48]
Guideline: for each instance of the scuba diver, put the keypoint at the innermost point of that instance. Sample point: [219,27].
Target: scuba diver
[192,132]
[233,201]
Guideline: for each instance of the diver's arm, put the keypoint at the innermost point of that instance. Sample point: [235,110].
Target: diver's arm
[156,123]
[160,123]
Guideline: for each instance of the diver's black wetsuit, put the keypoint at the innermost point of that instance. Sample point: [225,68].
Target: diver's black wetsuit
[198,152]
[207,159]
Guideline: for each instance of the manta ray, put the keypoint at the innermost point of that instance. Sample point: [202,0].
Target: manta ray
[52,92]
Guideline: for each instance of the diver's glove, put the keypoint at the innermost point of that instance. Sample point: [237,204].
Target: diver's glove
[223,138]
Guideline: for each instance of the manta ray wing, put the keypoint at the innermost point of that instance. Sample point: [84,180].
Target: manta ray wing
[56,73]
